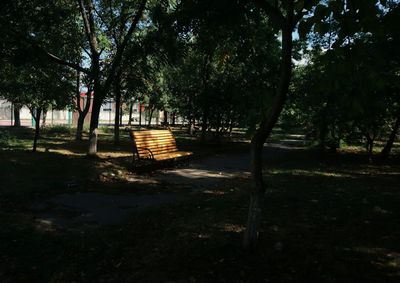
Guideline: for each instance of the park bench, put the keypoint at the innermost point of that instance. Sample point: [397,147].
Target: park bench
[155,145]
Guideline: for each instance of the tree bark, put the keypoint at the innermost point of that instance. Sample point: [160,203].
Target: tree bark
[94,123]
[130,113]
[140,114]
[117,88]
[82,113]
[151,115]
[389,144]
[204,125]
[17,117]
[165,118]
[257,190]
[173,118]
[79,127]
[36,117]
[44,117]
[93,143]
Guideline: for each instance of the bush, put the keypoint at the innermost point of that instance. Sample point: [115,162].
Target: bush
[6,138]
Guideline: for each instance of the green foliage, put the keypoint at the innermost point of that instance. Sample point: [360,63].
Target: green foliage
[57,130]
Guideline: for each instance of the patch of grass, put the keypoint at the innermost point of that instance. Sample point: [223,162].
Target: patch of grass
[58,129]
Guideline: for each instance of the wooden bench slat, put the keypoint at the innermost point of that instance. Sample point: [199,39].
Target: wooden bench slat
[171,156]
[155,146]
[157,150]
[153,135]
[148,142]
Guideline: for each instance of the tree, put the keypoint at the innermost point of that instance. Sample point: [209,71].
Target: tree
[82,104]
[285,15]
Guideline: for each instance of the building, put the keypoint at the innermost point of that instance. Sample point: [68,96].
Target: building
[70,117]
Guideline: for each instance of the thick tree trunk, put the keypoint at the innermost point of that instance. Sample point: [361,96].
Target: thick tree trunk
[388,147]
[36,117]
[82,113]
[17,118]
[79,127]
[173,118]
[257,190]
[93,143]
[150,116]
[165,118]
[94,123]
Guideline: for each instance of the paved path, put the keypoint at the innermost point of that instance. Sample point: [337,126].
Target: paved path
[93,208]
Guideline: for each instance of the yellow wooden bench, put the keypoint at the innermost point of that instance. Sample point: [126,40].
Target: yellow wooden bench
[156,145]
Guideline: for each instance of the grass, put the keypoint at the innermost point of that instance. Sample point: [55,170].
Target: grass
[324,220]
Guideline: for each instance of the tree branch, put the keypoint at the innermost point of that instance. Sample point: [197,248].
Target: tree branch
[60,61]
[120,50]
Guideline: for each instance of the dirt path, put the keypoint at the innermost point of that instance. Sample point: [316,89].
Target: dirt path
[90,209]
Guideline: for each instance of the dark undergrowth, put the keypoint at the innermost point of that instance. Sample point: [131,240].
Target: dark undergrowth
[331,219]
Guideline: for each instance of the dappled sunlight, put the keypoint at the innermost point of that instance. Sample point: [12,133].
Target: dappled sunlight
[198,173]
[214,192]
[142,180]
[45,225]
[383,258]
[278,145]
[233,228]
[110,154]
[321,173]
[61,151]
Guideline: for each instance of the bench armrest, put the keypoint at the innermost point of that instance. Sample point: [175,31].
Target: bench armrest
[145,148]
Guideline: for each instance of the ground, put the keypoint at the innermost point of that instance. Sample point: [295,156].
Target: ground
[67,218]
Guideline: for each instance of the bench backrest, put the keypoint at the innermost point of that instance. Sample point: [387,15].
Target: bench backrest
[157,141]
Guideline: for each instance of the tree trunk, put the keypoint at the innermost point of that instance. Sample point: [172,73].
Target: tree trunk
[257,190]
[117,85]
[121,114]
[17,118]
[165,118]
[79,127]
[140,114]
[369,145]
[82,113]
[36,117]
[150,116]
[130,113]
[204,125]
[230,127]
[93,143]
[94,123]
[323,132]
[44,117]
[173,118]
[388,147]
